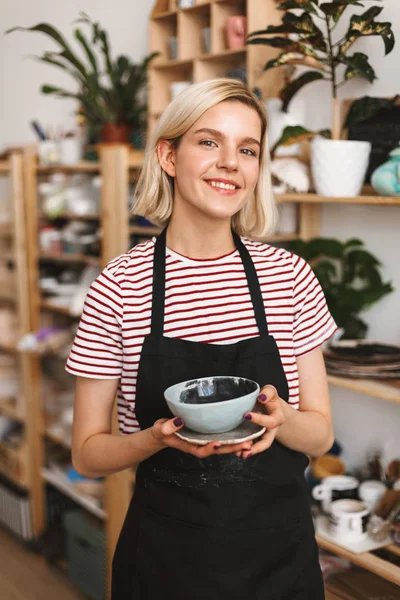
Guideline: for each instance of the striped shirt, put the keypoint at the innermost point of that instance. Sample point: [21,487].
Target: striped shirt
[205,301]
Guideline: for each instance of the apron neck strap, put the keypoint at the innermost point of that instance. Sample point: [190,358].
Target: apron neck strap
[158,302]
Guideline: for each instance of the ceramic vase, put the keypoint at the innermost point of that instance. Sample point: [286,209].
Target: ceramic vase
[386,178]
[339,166]
[235,32]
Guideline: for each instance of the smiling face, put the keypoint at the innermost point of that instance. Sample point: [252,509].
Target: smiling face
[216,164]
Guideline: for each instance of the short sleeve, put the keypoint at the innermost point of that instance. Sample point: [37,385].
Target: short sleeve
[97,349]
[313,323]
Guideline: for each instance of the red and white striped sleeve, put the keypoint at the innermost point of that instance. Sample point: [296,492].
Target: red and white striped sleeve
[97,349]
[313,323]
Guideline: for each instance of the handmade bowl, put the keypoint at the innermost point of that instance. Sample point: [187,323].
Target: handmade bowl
[212,404]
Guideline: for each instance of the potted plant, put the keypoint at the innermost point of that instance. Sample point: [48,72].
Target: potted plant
[110,91]
[338,166]
[349,276]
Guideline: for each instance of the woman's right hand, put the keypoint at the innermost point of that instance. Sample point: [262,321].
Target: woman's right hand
[164,430]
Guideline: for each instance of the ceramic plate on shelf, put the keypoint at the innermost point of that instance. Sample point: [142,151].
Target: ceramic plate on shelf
[243,433]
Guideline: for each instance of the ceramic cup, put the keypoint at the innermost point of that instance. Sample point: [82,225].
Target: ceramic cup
[348,520]
[371,492]
[335,488]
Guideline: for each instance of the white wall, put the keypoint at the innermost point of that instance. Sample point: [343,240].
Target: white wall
[361,422]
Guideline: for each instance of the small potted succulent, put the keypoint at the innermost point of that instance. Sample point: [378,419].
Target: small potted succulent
[110,91]
[306,37]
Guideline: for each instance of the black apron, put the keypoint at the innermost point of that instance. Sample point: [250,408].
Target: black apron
[223,527]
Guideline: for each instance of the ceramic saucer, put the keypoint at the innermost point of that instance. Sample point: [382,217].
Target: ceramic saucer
[243,433]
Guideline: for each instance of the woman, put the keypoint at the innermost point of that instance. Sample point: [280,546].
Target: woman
[217,522]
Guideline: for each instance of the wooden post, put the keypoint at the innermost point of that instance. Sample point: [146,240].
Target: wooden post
[25,223]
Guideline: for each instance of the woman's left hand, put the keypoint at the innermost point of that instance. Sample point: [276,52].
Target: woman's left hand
[269,414]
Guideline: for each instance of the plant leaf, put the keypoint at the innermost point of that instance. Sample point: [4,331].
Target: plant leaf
[308,5]
[55,35]
[89,53]
[293,58]
[358,66]
[287,93]
[335,9]
[367,107]
[364,25]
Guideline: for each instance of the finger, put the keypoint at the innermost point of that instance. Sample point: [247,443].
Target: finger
[263,444]
[170,426]
[268,421]
[269,392]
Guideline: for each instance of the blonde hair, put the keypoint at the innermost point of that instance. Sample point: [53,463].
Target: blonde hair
[155,188]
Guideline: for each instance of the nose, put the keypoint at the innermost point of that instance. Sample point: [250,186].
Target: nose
[227,158]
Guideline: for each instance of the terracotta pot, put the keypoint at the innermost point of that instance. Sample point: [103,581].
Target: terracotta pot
[236,31]
[113,133]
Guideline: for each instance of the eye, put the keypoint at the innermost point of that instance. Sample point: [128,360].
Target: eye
[249,152]
[207,143]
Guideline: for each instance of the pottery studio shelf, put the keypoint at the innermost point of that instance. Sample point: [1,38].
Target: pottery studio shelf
[366,560]
[376,389]
[371,199]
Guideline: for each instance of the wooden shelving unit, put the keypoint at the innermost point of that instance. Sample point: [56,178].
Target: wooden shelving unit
[376,389]
[192,62]
[117,167]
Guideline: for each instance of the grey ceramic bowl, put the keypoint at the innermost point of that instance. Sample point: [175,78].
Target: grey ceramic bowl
[212,404]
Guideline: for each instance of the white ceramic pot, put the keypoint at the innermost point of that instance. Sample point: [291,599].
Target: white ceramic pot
[339,166]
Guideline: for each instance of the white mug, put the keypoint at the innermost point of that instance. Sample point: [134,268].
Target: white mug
[334,488]
[371,492]
[348,520]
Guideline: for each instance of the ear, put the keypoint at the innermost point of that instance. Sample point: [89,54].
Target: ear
[166,157]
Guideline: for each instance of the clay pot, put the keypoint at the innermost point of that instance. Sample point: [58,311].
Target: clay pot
[113,133]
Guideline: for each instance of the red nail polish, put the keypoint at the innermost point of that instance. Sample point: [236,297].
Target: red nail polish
[178,422]
[248,417]
[248,456]
[216,446]
[262,398]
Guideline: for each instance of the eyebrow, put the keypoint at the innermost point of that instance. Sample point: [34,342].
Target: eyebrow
[219,134]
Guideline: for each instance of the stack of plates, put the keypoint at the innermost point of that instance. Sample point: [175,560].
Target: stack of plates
[364,359]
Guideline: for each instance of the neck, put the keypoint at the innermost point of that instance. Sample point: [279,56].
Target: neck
[202,237]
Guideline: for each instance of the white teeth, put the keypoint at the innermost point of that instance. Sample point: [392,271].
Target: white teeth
[225,186]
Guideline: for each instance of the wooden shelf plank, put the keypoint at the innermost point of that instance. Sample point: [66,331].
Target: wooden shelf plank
[67,258]
[73,216]
[82,167]
[372,388]
[51,307]
[366,560]
[66,488]
[316,199]
[8,409]
[225,54]
[4,167]
[9,348]
[168,64]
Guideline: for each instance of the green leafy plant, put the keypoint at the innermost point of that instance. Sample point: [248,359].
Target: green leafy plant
[360,110]
[302,42]
[349,276]
[109,90]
